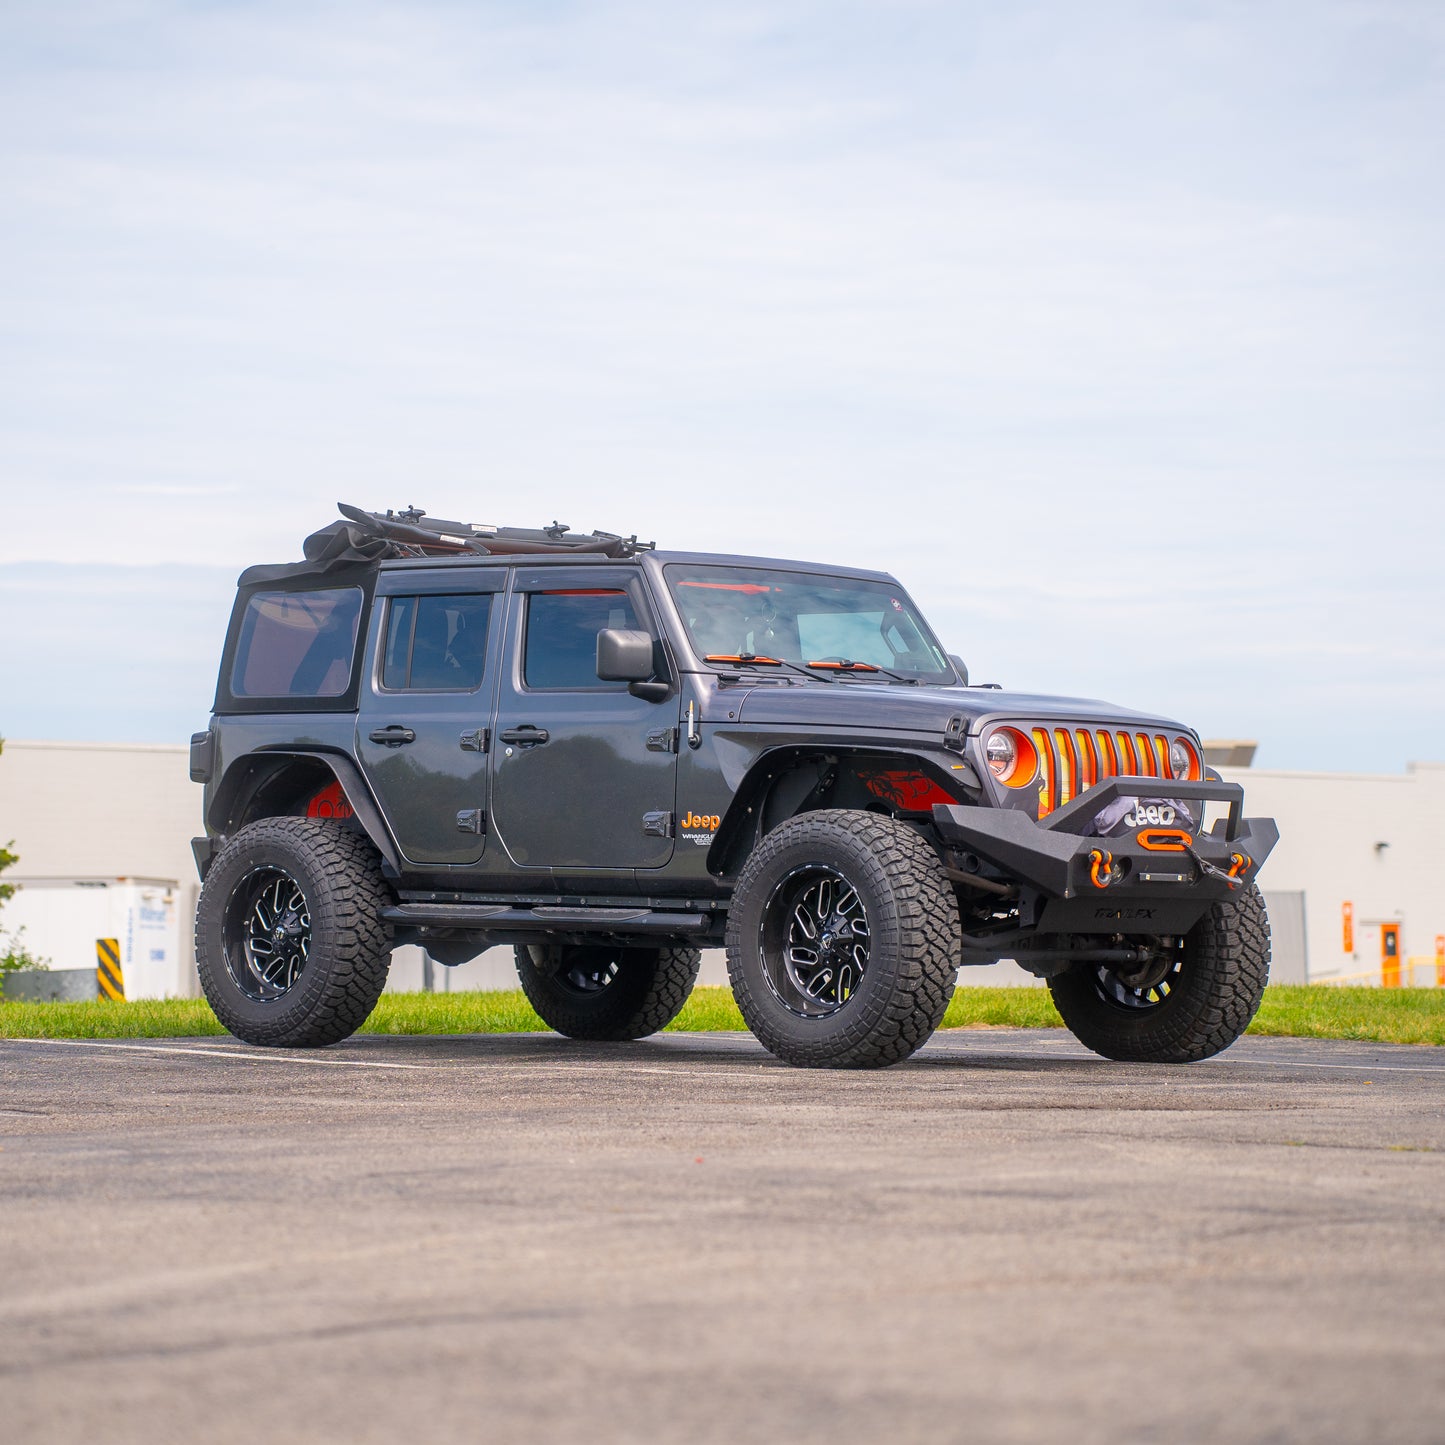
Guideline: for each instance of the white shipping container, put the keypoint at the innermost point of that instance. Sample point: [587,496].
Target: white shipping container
[63,918]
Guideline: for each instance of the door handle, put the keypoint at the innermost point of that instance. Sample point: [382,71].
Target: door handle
[525,736]
[393,737]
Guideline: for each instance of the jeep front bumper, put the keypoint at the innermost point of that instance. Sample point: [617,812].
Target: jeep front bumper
[1147,880]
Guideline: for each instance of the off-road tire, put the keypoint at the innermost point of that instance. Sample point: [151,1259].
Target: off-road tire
[1223,968]
[350,945]
[914,939]
[644,991]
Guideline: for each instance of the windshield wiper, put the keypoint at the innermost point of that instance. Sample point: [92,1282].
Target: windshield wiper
[752,659]
[847,667]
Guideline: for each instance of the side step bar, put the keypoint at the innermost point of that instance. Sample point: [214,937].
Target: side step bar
[499,918]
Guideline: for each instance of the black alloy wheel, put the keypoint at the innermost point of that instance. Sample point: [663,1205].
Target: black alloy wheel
[267,933]
[814,941]
[1146,985]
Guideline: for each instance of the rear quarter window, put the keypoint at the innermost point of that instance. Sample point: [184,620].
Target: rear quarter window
[297,644]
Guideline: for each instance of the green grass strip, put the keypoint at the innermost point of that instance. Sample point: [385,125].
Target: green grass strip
[1397,1016]
[1377,1015]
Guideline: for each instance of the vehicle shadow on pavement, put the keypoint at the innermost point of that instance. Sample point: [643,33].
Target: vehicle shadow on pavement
[674,1050]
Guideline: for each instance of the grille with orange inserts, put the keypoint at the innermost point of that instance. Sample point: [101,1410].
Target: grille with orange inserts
[1073,759]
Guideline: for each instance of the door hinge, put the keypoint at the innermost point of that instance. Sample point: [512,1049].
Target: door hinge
[662,740]
[657,825]
[471,820]
[475,741]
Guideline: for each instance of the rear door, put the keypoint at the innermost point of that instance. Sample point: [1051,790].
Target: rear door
[425,706]
[584,775]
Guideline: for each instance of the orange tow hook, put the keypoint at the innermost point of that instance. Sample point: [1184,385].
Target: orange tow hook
[1101,868]
[1239,864]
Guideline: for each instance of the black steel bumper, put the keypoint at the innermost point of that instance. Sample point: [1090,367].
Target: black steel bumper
[1148,880]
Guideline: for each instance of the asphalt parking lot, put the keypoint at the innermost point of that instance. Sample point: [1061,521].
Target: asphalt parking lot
[522,1238]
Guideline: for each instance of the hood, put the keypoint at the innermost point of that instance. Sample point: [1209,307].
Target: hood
[876,706]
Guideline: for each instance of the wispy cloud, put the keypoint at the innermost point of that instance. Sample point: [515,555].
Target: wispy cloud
[1061,313]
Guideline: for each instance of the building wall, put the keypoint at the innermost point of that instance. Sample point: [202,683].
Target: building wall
[104,810]
[1330,827]
[117,810]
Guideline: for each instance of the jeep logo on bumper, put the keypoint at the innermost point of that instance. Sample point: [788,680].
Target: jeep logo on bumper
[1123,913]
[1159,815]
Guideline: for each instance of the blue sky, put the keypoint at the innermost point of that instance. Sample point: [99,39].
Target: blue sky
[1117,331]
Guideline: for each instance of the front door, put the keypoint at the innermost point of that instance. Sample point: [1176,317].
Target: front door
[425,706]
[584,775]
[1390,955]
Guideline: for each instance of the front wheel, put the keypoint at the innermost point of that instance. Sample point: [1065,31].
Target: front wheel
[597,991]
[1196,1000]
[843,940]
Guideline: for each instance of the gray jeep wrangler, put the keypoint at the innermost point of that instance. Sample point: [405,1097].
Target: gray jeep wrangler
[608,756]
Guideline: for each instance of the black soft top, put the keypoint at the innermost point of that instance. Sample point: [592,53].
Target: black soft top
[365,539]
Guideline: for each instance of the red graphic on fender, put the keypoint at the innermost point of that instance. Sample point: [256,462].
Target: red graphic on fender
[329,803]
[908,791]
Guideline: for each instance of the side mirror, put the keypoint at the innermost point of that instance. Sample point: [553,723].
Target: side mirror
[623,655]
[960,667]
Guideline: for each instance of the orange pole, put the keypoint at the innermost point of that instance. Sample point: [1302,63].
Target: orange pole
[1440,960]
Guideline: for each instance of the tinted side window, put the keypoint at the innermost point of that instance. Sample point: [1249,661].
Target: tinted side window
[297,644]
[436,642]
[562,628]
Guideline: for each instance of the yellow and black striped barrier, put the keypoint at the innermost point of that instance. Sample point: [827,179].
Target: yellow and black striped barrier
[107,968]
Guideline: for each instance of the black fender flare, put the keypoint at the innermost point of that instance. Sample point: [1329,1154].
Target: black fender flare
[744,812]
[244,779]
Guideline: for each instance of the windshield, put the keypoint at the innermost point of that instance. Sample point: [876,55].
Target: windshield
[736,613]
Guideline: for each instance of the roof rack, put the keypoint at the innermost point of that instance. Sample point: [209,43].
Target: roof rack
[374,536]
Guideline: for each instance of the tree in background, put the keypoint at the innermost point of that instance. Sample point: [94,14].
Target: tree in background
[6,856]
[13,953]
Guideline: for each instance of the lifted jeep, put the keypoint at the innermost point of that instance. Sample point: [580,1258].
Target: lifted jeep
[453,735]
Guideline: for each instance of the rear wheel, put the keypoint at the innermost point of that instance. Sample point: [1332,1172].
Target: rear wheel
[843,940]
[290,944]
[597,991]
[1196,1000]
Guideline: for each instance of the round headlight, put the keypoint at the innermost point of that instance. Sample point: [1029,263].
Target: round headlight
[1011,757]
[1181,758]
[1001,752]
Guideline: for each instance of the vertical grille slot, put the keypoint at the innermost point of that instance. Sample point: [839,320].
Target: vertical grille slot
[1068,767]
[1048,767]
[1146,756]
[1128,756]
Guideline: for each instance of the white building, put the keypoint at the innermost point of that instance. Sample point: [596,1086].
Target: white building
[86,813]
[1369,843]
